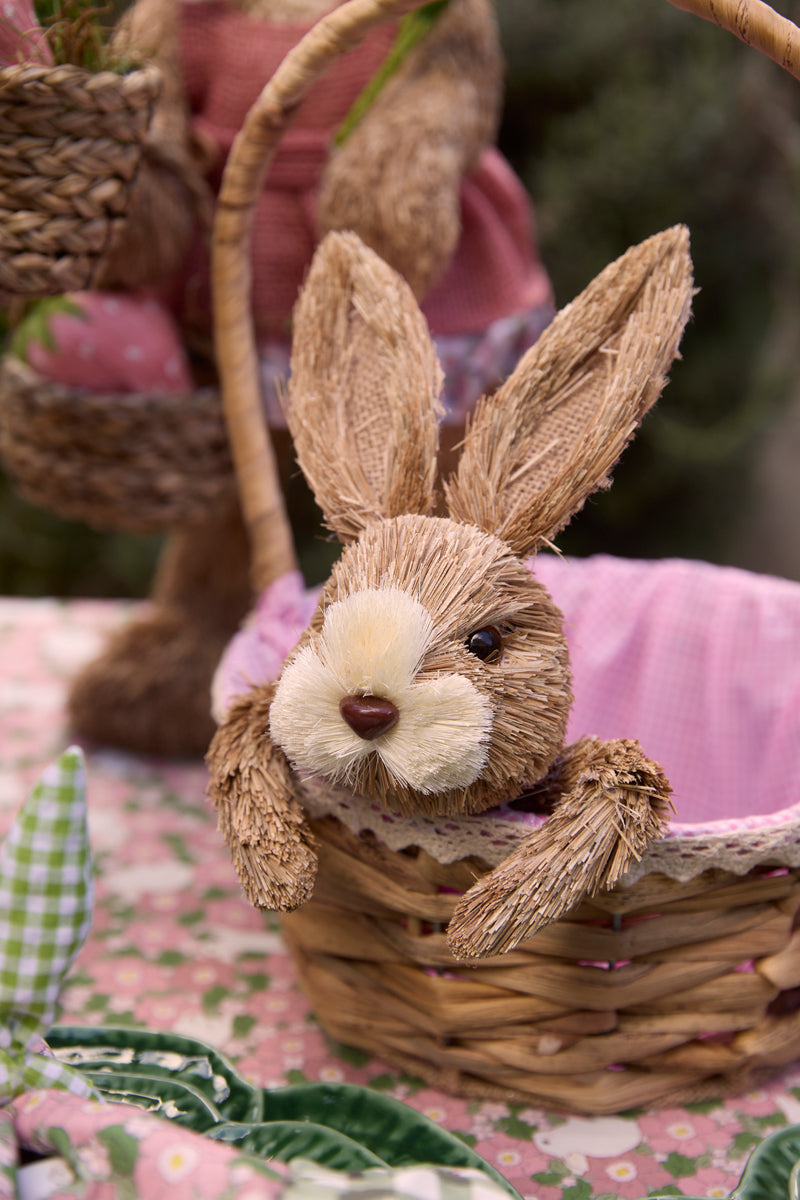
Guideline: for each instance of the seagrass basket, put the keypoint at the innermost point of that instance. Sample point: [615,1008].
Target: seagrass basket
[75,150]
[656,993]
[681,982]
[126,461]
[70,147]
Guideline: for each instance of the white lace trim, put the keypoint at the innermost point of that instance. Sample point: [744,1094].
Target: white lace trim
[493,835]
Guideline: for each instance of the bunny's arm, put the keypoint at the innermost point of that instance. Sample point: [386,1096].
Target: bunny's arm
[611,802]
[169,197]
[396,179]
[252,789]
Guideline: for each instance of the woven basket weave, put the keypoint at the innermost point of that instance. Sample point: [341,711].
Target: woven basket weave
[134,462]
[659,993]
[70,147]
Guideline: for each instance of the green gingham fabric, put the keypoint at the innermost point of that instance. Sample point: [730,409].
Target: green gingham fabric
[46,896]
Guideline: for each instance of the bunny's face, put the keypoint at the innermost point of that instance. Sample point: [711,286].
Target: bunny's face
[434,678]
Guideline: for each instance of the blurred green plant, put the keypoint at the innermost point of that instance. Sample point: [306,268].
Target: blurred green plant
[77,34]
[628,117]
[33,324]
[412,28]
[40,554]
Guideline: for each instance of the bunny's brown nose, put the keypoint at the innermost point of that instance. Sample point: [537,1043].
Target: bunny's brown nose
[368,716]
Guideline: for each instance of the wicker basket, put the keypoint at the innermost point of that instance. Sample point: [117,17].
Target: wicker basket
[133,462]
[659,993]
[70,147]
[683,981]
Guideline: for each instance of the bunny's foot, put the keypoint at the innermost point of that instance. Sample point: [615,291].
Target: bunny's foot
[613,802]
[149,690]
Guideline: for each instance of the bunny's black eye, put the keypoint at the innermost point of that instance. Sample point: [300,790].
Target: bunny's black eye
[486,644]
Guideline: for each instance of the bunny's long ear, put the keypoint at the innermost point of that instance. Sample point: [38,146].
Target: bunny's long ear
[364,394]
[549,437]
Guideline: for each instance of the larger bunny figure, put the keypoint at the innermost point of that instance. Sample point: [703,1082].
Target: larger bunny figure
[434,676]
[417,176]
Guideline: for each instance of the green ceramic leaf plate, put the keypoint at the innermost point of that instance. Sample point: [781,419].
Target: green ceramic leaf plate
[341,1126]
[338,1125]
[772,1172]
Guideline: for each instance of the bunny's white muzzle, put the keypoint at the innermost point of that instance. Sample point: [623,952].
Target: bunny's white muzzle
[373,643]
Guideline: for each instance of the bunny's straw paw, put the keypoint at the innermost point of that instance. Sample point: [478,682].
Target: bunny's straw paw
[261,819]
[614,803]
[278,884]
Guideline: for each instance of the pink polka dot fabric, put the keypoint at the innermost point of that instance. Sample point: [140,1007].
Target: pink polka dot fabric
[117,342]
[491,304]
[123,343]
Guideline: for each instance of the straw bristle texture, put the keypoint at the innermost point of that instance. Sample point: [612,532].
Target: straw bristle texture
[341,29]
[363,397]
[259,816]
[465,580]
[612,802]
[655,994]
[538,447]
[373,644]
[98,184]
[397,177]
[147,691]
[169,196]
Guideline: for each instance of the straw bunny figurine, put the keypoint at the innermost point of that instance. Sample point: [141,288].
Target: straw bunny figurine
[434,676]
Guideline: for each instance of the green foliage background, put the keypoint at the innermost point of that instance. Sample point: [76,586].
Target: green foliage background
[622,118]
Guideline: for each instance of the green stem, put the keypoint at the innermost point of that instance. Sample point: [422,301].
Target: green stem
[413,28]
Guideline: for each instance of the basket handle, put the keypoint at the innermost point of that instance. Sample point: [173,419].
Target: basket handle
[259,487]
[754,23]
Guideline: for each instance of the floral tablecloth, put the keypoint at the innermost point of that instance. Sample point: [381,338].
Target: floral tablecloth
[174,947]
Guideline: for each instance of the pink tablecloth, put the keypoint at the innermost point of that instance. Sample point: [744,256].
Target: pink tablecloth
[174,947]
